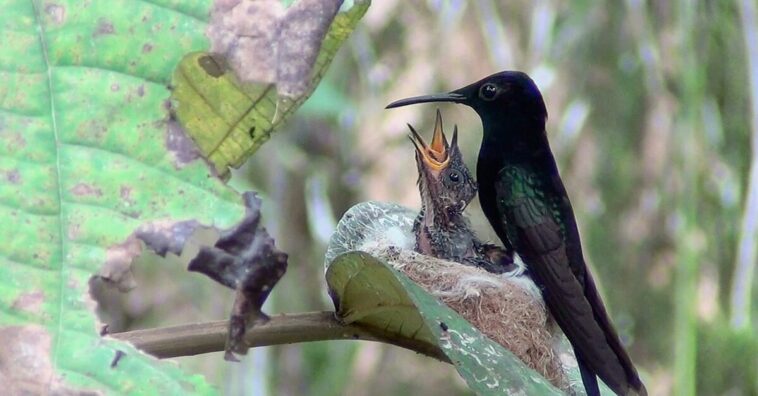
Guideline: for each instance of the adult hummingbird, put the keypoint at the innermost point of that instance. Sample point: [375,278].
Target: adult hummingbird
[523,197]
[447,187]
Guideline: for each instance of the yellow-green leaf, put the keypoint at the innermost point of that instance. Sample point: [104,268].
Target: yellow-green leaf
[230,97]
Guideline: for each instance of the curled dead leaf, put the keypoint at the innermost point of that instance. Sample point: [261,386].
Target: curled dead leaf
[244,259]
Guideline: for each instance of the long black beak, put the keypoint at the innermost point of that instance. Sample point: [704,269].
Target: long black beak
[445,97]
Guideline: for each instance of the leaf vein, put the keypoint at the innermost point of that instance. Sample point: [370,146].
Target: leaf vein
[48,70]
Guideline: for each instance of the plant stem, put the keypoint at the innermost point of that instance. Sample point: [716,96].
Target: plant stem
[746,249]
[688,234]
[197,338]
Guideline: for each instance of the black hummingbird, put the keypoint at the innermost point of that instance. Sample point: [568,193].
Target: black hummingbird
[447,187]
[523,197]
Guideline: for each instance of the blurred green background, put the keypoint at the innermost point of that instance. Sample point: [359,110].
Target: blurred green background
[652,120]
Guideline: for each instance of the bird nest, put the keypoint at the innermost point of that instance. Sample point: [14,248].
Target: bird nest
[506,308]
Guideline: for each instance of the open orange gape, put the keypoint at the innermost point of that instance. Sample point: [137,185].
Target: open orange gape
[436,155]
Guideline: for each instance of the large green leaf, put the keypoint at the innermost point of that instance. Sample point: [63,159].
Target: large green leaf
[92,164]
[370,292]
[85,153]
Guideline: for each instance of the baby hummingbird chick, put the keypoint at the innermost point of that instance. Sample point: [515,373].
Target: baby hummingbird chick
[447,187]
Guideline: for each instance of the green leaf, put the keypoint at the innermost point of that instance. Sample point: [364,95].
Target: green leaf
[370,292]
[230,103]
[91,165]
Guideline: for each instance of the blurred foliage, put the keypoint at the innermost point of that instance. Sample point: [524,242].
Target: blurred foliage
[722,351]
[650,114]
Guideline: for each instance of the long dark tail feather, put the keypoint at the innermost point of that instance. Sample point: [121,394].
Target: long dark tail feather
[589,379]
[636,387]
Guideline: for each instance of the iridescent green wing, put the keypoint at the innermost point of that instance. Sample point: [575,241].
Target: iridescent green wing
[537,212]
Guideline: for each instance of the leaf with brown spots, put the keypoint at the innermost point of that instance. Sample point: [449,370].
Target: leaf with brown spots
[75,187]
[263,63]
[90,175]
[95,166]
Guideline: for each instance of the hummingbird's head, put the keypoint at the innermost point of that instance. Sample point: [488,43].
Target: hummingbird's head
[504,96]
[445,183]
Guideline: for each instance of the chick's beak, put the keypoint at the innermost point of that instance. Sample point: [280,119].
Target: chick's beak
[439,147]
[434,156]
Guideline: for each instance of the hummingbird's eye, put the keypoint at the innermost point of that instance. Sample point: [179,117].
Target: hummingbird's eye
[488,92]
[454,177]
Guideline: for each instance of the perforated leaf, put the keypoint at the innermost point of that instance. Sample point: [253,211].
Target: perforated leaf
[91,165]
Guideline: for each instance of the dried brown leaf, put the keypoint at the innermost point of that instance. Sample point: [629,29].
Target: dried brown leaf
[244,259]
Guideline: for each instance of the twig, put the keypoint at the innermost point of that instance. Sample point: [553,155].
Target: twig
[197,338]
